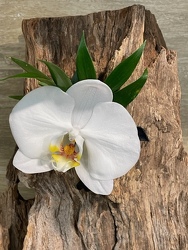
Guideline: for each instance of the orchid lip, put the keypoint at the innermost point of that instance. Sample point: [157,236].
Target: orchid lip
[65,154]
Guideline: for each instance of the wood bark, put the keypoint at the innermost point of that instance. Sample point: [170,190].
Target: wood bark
[148,206]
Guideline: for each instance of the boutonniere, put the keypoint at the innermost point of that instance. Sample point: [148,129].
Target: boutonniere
[79,123]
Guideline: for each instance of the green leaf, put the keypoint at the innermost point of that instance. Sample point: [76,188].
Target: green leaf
[16,97]
[31,72]
[60,78]
[43,84]
[30,75]
[84,65]
[29,68]
[129,93]
[124,70]
[46,82]
[74,78]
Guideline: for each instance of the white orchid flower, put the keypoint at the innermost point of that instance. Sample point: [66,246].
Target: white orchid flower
[81,129]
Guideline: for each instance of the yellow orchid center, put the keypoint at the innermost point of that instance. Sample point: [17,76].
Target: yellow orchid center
[69,149]
[65,157]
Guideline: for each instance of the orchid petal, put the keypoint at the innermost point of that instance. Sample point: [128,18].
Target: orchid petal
[42,114]
[112,145]
[96,186]
[87,94]
[31,166]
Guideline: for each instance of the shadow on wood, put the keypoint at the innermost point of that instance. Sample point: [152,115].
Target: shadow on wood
[148,207]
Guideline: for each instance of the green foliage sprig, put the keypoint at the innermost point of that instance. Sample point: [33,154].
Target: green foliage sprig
[86,70]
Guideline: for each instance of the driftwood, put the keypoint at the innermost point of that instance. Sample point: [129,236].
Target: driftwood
[148,207]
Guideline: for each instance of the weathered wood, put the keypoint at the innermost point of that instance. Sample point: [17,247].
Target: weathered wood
[148,207]
[13,213]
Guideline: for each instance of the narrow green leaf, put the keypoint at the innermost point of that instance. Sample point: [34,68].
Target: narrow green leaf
[43,84]
[31,72]
[20,75]
[84,65]
[16,97]
[29,68]
[59,77]
[74,78]
[124,70]
[46,82]
[129,93]
[30,75]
